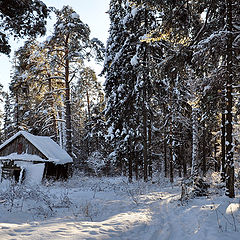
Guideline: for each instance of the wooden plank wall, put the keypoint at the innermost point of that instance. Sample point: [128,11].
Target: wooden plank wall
[21,144]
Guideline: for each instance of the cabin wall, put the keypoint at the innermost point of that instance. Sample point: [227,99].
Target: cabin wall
[22,172]
[56,172]
[21,145]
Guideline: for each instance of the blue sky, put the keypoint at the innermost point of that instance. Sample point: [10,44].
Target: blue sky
[92,12]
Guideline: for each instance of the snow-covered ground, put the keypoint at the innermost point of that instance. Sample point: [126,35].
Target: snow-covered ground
[111,208]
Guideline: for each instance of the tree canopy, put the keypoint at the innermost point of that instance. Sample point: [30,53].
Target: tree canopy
[20,18]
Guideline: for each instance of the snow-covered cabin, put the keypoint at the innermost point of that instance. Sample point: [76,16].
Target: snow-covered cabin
[33,158]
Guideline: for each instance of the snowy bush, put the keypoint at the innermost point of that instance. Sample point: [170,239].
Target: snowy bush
[90,210]
[23,197]
[97,164]
[64,200]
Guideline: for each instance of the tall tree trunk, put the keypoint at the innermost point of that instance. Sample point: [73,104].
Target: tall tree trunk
[165,153]
[145,160]
[17,112]
[229,103]
[215,156]
[130,165]
[184,163]
[204,161]
[67,102]
[145,101]
[51,102]
[171,121]
[149,149]
[195,163]
[171,152]
[179,160]
[88,106]
[171,160]
[136,166]
[223,147]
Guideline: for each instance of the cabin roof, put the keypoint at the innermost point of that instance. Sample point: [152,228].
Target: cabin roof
[45,145]
[23,157]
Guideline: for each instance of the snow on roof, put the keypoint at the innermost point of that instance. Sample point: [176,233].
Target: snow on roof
[23,157]
[45,145]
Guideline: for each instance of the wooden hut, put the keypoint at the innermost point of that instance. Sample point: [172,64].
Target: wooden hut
[33,158]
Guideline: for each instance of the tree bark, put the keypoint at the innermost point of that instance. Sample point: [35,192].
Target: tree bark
[229,143]
[223,148]
[51,102]
[145,160]
[130,166]
[136,166]
[184,163]
[149,149]
[165,154]
[88,105]
[204,162]
[145,115]
[195,163]
[68,102]
[171,152]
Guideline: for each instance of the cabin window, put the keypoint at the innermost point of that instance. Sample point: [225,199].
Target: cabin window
[20,148]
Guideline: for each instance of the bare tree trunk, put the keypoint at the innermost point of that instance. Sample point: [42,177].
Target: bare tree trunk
[229,127]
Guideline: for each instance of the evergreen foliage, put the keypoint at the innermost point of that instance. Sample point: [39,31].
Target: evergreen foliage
[170,100]
[20,19]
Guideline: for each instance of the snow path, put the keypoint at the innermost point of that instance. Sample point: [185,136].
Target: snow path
[198,220]
[135,223]
[156,214]
[120,226]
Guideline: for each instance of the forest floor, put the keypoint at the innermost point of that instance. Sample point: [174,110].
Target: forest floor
[88,208]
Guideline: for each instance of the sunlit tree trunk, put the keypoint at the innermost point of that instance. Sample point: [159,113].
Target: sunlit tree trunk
[51,100]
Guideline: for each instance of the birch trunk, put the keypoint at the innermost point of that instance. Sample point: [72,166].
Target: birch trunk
[195,163]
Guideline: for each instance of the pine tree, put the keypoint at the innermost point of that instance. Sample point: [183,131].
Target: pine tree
[69,46]
[32,91]
[128,87]
[86,101]
[20,19]
[113,92]
[220,66]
